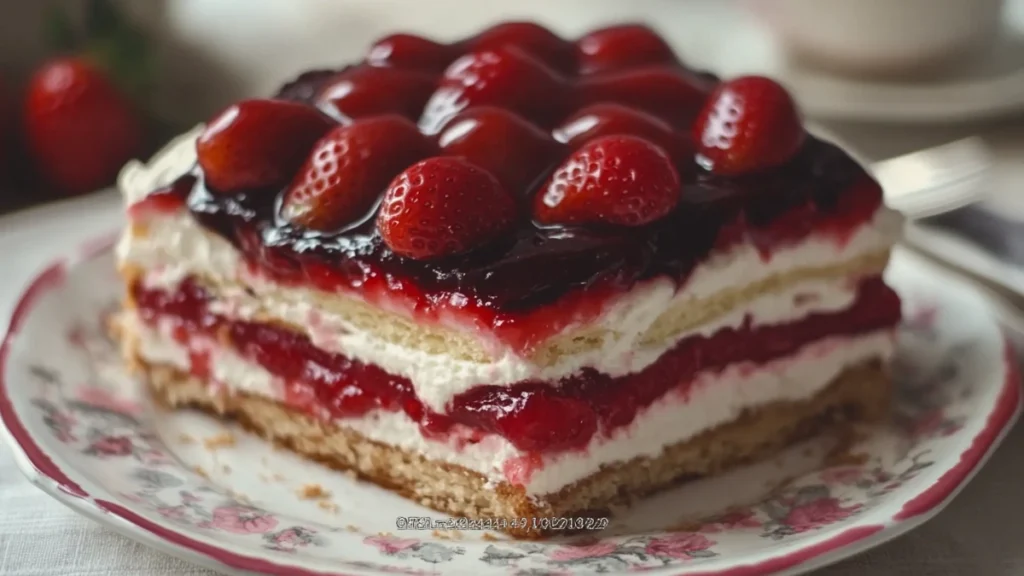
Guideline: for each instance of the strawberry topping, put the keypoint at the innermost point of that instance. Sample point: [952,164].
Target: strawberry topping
[348,169]
[514,150]
[622,47]
[621,180]
[258,144]
[533,39]
[367,91]
[444,206]
[411,52]
[672,94]
[748,124]
[610,119]
[506,77]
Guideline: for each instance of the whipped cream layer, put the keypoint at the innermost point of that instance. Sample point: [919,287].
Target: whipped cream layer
[716,398]
[176,247]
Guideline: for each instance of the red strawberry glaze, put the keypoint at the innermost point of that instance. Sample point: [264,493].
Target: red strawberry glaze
[536,417]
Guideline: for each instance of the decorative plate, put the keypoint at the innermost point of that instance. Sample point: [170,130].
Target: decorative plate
[85,432]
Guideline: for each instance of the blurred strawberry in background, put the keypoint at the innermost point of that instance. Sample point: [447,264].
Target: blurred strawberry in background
[80,129]
[83,112]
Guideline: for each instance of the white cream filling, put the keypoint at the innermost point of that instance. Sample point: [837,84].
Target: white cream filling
[177,247]
[716,398]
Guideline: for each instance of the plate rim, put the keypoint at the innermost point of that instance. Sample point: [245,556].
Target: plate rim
[949,100]
[41,471]
[952,102]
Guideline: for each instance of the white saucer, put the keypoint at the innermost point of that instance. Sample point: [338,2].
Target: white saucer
[995,87]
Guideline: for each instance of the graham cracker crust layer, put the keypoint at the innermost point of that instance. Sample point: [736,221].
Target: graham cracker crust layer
[859,394]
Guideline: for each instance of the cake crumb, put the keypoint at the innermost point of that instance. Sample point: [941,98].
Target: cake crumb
[352,474]
[186,439]
[328,506]
[313,492]
[222,440]
[278,477]
[440,535]
[490,537]
[201,471]
[352,528]
[240,497]
[384,534]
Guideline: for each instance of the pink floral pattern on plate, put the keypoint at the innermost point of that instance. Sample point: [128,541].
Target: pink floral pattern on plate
[86,428]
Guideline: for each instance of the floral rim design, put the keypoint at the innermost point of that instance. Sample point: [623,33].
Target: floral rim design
[830,513]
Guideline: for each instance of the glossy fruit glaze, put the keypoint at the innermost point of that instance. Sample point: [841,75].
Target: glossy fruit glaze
[532,280]
[533,416]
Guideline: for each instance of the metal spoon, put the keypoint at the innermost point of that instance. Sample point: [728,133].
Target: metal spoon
[936,180]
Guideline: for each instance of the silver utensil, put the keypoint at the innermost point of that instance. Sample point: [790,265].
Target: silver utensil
[936,180]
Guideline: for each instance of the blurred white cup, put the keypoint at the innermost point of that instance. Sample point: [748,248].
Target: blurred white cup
[882,36]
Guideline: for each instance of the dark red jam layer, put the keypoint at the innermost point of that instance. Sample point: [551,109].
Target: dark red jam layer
[533,416]
[503,285]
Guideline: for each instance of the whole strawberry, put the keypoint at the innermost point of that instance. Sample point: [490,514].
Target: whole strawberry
[748,124]
[620,180]
[79,128]
[348,168]
[258,144]
[443,206]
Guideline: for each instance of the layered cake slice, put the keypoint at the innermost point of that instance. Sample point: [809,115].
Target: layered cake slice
[513,278]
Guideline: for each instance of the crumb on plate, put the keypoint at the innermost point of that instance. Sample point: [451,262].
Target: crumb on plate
[222,440]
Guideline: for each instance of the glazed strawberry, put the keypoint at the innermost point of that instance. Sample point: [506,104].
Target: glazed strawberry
[535,40]
[621,48]
[506,77]
[621,180]
[411,52]
[514,150]
[609,119]
[79,128]
[258,144]
[368,91]
[748,124]
[444,206]
[348,169]
[672,94]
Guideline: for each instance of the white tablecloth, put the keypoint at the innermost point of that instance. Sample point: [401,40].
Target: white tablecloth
[981,532]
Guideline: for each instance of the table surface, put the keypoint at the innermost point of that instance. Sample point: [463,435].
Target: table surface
[980,533]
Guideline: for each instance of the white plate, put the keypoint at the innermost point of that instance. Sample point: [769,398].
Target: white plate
[994,87]
[86,433]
